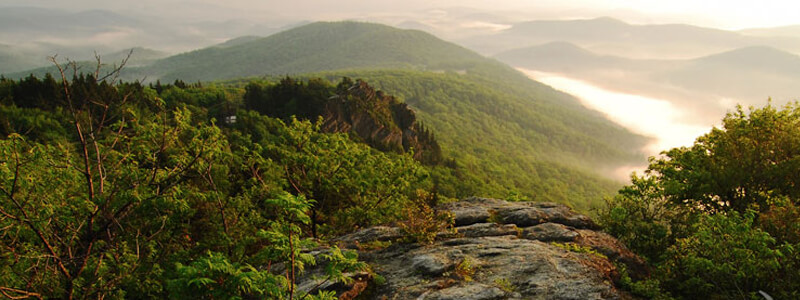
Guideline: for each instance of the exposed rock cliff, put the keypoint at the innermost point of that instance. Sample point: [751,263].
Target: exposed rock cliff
[502,250]
[379,119]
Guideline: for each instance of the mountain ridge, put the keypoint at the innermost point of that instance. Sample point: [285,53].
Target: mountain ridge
[308,48]
[614,37]
[740,75]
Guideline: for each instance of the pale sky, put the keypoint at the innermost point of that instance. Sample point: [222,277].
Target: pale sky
[728,14]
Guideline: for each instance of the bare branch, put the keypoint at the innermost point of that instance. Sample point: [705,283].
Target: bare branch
[97,69]
[12,293]
[117,69]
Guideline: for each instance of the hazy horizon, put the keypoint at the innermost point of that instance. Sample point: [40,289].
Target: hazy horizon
[728,15]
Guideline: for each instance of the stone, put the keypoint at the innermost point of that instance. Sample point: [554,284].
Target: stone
[367,235]
[470,215]
[550,232]
[429,265]
[473,291]
[523,217]
[487,229]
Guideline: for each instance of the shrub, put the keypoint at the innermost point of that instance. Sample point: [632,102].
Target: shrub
[422,222]
[466,268]
[728,257]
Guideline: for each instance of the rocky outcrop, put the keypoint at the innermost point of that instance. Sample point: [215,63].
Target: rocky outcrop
[380,120]
[523,214]
[502,250]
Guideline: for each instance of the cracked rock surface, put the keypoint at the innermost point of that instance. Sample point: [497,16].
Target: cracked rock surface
[502,250]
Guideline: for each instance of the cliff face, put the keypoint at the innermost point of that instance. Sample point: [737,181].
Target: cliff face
[379,120]
[508,250]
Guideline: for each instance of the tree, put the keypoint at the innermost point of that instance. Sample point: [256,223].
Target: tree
[718,219]
[82,216]
[352,185]
[641,217]
[753,157]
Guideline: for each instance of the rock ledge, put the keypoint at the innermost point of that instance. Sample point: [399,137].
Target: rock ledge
[515,250]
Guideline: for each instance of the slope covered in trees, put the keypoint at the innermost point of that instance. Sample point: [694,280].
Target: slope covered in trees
[519,151]
[514,135]
[318,47]
[519,140]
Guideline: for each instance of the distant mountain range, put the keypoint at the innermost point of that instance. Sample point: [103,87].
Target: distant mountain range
[310,48]
[42,32]
[783,31]
[746,75]
[14,60]
[614,37]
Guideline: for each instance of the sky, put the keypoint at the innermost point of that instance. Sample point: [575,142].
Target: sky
[726,14]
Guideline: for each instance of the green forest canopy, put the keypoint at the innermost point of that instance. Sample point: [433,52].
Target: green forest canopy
[128,191]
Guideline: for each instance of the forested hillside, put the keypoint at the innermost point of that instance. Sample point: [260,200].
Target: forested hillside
[526,141]
[318,47]
[131,191]
[356,108]
[515,136]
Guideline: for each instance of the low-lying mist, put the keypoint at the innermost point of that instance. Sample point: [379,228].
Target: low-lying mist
[660,119]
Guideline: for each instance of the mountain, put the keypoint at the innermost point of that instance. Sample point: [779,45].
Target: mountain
[527,140]
[238,41]
[712,83]
[52,22]
[756,58]
[78,34]
[317,47]
[613,37]
[563,57]
[783,31]
[139,57]
[750,75]
[531,140]
[13,59]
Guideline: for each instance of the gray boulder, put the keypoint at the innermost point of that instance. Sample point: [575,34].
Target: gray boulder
[551,232]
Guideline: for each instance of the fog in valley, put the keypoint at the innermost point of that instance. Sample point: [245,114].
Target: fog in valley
[666,70]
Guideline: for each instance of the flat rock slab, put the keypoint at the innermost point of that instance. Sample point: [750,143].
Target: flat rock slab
[505,267]
[523,214]
[551,232]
